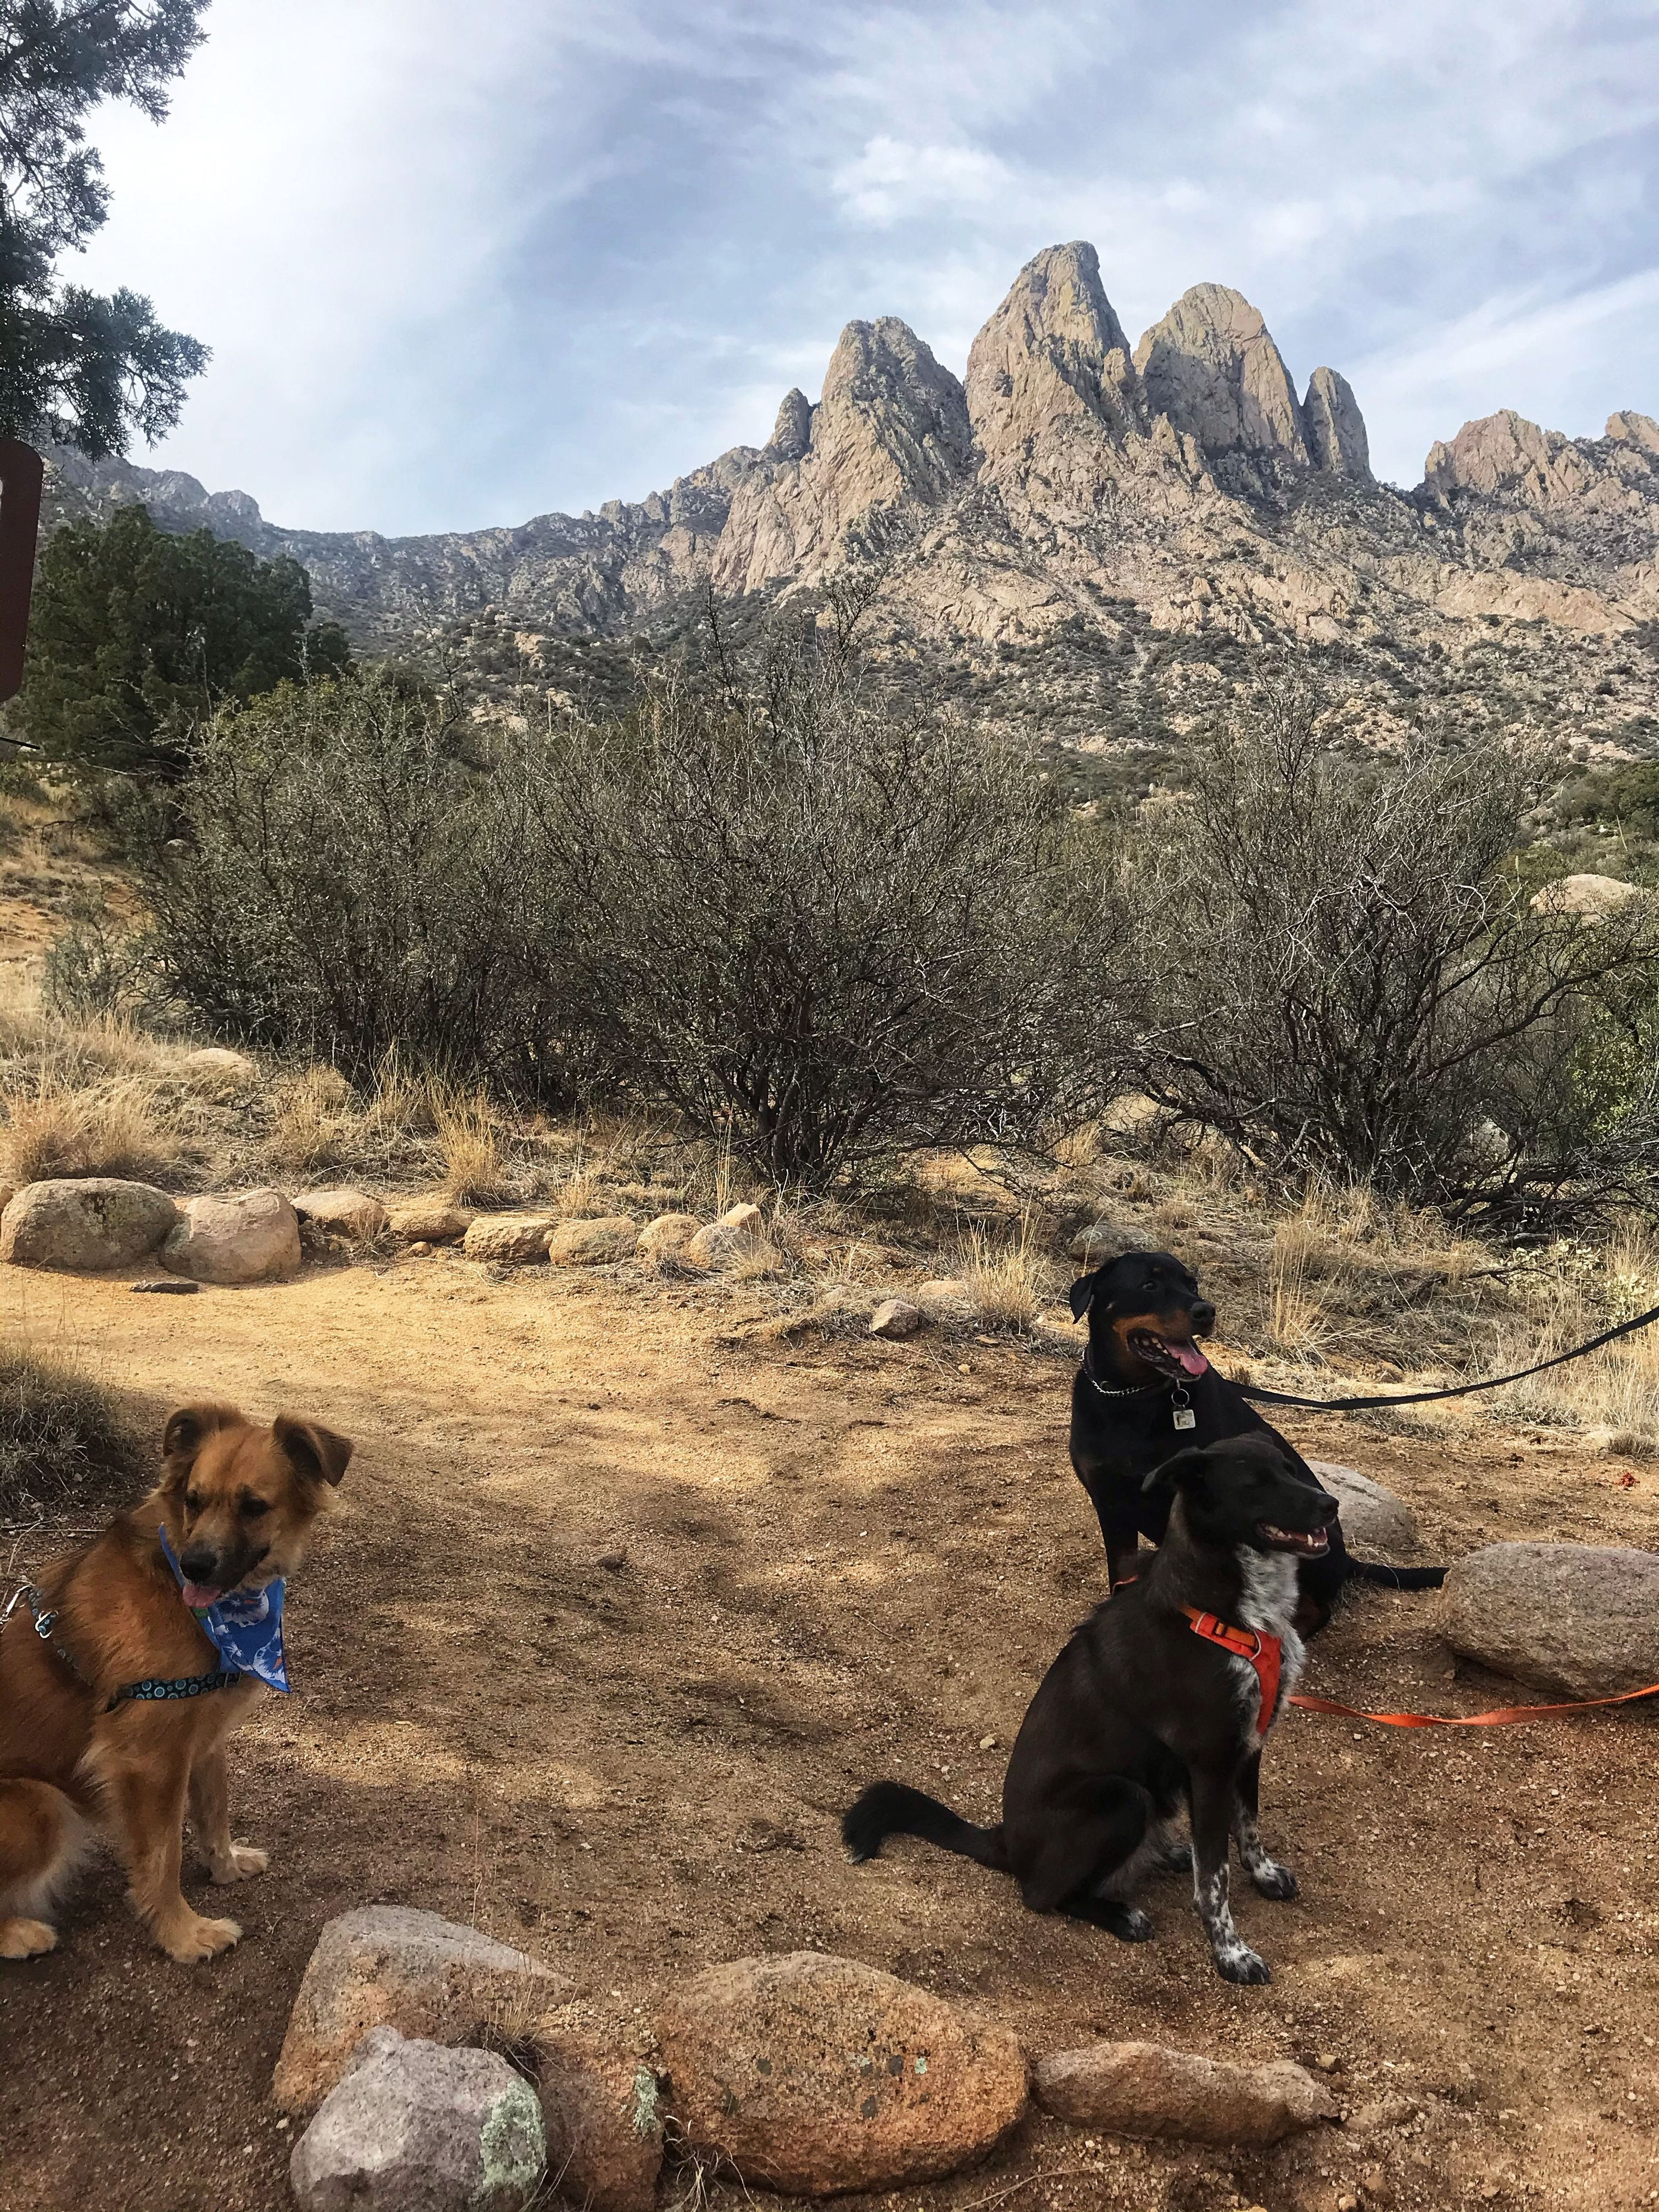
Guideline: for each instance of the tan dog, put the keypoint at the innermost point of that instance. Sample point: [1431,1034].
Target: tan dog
[236,1504]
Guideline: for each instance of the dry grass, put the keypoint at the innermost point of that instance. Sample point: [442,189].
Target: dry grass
[1005,1275]
[477,1170]
[65,1444]
[108,1129]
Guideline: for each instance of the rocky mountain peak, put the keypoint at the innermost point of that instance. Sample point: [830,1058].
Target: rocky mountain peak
[1212,368]
[1629,429]
[791,434]
[1053,352]
[1335,427]
[884,394]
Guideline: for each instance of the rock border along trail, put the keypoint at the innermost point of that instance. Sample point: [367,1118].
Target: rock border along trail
[611,1620]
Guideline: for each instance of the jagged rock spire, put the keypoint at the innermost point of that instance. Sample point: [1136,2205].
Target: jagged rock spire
[1335,426]
[1053,352]
[1211,367]
[791,434]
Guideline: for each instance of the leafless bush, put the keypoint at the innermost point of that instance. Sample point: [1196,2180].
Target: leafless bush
[1354,984]
[824,928]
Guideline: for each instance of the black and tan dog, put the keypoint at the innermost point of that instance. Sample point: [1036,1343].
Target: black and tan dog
[99,1731]
[1162,1700]
[1143,1389]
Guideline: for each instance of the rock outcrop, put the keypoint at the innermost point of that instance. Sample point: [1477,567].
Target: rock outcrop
[1577,1620]
[1211,367]
[816,2076]
[252,1237]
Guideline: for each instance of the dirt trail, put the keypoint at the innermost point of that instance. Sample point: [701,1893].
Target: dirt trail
[843,1560]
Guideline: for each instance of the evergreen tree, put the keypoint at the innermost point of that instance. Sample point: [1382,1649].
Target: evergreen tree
[136,634]
[77,368]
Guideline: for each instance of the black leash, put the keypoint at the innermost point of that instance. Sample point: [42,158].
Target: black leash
[1462,1391]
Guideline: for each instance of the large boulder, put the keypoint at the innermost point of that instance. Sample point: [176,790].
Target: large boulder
[1101,1241]
[429,1221]
[1579,1620]
[509,1240]
[603,2119]
[1374,1520]
[1148,2089]
[253,1237]
[352,1214]
[417,2127]
[391,1966]
[814,2075]
[591,1244]
[738,1234]
[1593,898]
[668,1235]
[85,1223]
[217,1065]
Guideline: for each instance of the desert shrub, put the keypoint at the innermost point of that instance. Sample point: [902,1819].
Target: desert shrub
[65,1444]
[350,883]
[1354,983]
[824,927]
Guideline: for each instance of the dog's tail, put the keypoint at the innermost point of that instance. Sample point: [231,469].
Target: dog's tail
[891,1808]
[1402,1578]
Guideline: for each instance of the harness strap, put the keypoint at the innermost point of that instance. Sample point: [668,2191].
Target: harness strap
[1263,1652]
[151,1690]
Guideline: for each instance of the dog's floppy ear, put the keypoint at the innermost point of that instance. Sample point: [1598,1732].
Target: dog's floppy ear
[1181,1468]
[316,1451]
[188,1429]
[1082,1294]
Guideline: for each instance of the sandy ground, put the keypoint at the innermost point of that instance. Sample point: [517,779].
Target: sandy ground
[843,1560]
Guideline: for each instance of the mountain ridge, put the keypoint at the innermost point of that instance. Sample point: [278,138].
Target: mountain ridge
[1068,486]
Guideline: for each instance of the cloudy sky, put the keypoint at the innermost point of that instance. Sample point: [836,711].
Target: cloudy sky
[463,261]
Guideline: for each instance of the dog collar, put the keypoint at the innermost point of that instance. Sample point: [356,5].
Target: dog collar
[244,1627]
[1263,1652]
[1137,1390]
[184,1686]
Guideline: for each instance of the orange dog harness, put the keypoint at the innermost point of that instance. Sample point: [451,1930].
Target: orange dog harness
[1262,1651]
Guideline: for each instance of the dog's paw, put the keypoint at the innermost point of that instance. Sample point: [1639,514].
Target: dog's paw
[1274,1881]
[241,1864]
[26,1939]
[1238,1962]
[196,1939]
[1129,1924]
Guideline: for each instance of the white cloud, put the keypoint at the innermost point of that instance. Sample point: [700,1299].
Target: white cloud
[459,264]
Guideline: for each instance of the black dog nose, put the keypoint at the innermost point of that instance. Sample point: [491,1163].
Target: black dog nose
[1204,1316]
[200,1564]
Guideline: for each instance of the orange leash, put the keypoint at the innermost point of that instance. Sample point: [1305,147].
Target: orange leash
[1499,1719]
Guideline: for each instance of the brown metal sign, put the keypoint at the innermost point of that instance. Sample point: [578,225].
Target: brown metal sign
[22,472]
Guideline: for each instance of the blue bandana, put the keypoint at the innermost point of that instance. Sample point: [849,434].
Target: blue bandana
[245,1628]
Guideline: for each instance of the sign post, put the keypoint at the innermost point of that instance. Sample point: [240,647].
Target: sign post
[21,473]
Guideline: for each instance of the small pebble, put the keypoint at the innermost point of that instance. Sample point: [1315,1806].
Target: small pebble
[612,1562]
[988,1743]
[1327,2062]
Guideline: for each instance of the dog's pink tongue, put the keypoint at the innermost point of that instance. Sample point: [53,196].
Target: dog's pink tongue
[1190,1357]
[199,1597]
